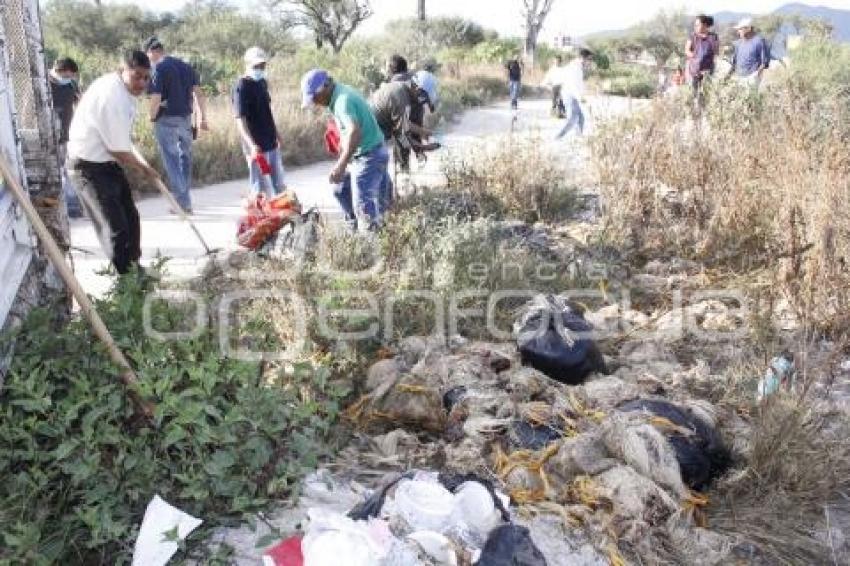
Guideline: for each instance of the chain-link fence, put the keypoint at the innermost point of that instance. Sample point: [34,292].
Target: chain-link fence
[15,36]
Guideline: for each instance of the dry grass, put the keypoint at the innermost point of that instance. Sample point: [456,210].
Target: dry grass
[764,183]
[799,465]
[516,175]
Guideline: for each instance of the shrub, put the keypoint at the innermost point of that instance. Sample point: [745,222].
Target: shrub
[79,467]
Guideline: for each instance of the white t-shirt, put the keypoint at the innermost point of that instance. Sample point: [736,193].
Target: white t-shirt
[570,78]
[103,121]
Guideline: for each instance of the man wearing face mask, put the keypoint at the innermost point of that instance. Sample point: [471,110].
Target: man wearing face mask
[261,141]
[99,144]
[65,94]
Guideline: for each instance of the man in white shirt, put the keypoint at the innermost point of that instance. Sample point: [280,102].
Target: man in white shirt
[570,79]
[99,144]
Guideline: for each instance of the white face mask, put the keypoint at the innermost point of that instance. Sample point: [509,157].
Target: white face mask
[258,74]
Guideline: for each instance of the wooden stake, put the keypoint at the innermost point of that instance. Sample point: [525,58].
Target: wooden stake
[57,258]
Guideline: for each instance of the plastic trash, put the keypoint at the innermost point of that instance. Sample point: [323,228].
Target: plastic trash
[554,338]
[511,545]
[333,539]
[474,508]
[525,435]
[453,396]
[699,449]
[372,506]
[286,553]
[425,505]
[780,373]
[438,547]
[453,482]
[162,527]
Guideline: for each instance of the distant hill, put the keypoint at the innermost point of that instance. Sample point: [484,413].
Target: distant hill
[840,19]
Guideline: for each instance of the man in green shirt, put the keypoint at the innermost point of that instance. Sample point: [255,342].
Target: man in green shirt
[361,193]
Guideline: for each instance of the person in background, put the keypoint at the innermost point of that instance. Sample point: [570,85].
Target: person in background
[99,145]
[397,69]
[572,91]
[391,105]
[174,94]
[751,55]
[701,51]
[514,67]
[261,141]
[553,79]
[362,147]
[65,94]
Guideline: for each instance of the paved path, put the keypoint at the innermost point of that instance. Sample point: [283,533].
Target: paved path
[217,207]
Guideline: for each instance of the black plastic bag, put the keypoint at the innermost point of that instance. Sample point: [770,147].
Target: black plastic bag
[554,338]
[510,545]
[533,437]
[373,504]
[701,454]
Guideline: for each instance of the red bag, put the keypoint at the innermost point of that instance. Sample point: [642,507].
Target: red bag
[333,139]
[264,217]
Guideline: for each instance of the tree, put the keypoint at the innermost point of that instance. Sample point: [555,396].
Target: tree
[420,13]
[663,36]
[331,21]
[534,13]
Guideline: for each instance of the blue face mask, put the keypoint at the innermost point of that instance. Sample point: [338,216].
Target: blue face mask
[258,74]
[65,81]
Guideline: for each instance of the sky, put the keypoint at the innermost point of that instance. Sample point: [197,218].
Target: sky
[569,17]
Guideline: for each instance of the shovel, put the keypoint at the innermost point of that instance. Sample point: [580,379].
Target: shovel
[176,206]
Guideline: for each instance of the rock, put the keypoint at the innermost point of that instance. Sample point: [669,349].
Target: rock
[638,502]
[611,321]
[382,373]
[606,392]
[672,266]
[585,454]
[526,384]
[561,547]
[644,449]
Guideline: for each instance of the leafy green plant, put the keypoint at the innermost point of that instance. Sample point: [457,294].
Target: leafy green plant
[79,467]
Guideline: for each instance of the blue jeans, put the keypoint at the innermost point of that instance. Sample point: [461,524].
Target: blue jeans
[363,193]
[277,174]
[75,209]
[174,136]
[515,88]
[575,118]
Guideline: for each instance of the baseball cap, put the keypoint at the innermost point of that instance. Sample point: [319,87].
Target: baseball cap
[255,56]
[311,83]
[744,23]
[151,44]
[428,83]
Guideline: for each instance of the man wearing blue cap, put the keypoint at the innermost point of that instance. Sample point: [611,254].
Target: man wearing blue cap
[362,146]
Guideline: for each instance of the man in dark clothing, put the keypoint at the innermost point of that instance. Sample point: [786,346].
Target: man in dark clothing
[701,50]
[398,72]
[514,67]
[261,141]
[174,92]
[65,94]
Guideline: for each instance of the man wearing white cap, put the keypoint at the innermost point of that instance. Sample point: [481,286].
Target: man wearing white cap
[261,141]
[751,55]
